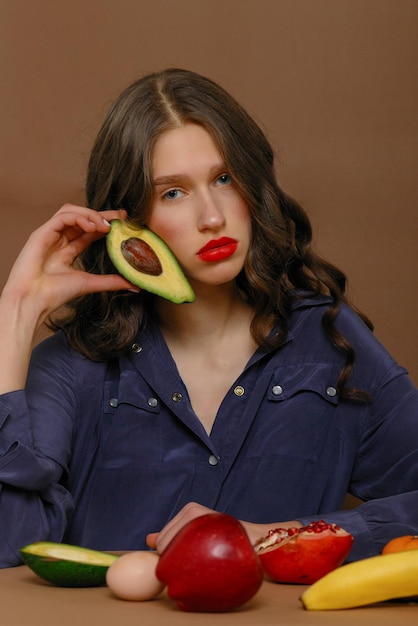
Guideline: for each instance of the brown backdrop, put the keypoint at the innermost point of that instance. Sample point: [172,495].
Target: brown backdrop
[333,82]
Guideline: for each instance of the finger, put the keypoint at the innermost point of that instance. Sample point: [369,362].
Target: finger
[88,216]
[88,220]
[151,540]
[164,537]
[79,242]
[87,227]
[189,512]
[114,214]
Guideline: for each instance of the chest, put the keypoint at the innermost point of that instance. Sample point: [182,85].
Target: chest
[209,374]
[280,414]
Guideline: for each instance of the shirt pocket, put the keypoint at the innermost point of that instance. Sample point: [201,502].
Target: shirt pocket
[131,432]
[297,413]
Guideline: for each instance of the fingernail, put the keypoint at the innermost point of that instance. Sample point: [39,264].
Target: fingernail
[106,222]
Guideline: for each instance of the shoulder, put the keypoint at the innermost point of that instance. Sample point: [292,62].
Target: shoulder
[373,363]
[54,354]
[54,348]
[307,317]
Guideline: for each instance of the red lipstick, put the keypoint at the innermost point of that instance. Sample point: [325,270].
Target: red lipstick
[217,249]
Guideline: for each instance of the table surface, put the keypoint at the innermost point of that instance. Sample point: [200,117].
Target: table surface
[26,600]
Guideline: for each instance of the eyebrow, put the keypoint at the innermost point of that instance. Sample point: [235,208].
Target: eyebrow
[175,179]
[169,180]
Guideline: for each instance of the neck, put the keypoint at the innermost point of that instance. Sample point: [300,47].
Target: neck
[212,313]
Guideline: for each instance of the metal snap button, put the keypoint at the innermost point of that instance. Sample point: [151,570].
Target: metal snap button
[177,396]
[331,392]
[277,390]
[152,402]
[239,391]
[213,460]
[136,347]
[113,402]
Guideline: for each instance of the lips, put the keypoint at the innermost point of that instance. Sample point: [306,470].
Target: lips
[218,249]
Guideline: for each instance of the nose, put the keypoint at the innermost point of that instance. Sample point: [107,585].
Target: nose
[210,213]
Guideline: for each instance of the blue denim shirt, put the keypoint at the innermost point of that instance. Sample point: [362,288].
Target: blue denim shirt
[100,454]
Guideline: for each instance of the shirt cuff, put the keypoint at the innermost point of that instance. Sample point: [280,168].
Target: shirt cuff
[352,521]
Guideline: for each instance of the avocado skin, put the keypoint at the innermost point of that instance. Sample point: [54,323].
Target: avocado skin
[64,565]
[170,284]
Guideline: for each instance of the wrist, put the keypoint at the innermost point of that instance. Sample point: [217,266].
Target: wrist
[21,312]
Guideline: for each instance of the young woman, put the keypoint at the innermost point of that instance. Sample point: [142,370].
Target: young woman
[268,397]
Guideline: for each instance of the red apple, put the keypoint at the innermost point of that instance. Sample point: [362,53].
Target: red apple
[303,555]
[210,565]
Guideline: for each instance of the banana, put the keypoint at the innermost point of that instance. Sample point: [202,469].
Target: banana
[371,580]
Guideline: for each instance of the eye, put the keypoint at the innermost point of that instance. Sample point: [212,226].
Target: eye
[173,194]
[224,179]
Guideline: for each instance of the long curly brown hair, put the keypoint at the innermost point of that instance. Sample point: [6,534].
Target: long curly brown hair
[280,261]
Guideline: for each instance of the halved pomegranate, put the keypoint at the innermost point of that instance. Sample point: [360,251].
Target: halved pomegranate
[303,555]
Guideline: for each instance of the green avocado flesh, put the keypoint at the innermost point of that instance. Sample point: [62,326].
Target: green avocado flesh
[65,565]
[146,261]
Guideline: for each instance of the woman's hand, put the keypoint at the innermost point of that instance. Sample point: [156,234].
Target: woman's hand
[44,277]
[159,541]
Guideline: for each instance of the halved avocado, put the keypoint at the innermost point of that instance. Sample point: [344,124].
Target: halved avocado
[65,565]
[146,261]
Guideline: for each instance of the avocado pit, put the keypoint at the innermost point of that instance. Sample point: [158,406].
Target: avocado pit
[141,256]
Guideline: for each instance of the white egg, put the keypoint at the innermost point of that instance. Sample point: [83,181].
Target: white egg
[132,576]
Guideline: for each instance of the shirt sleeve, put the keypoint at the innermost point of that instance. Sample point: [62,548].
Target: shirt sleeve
[385,474]
[33,505]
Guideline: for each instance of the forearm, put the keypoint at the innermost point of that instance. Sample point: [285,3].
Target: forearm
[33,505]
[374,523]
[26,518]
[19,322]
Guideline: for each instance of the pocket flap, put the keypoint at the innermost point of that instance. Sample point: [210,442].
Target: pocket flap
[320,378]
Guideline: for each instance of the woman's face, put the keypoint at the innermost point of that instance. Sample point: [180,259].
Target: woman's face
[197,209]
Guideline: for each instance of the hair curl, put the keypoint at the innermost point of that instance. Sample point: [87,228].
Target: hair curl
[280,260]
